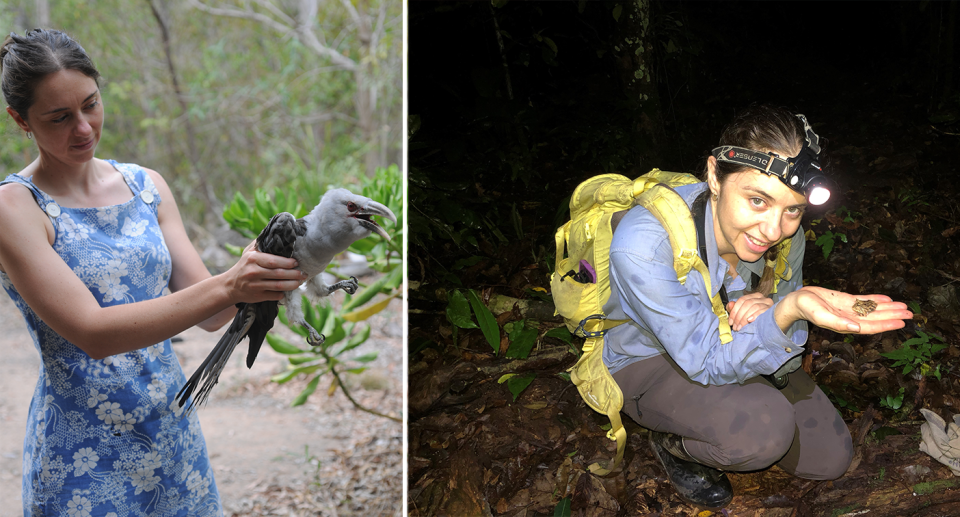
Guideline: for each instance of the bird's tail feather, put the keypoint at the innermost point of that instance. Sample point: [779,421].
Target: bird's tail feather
[208,373]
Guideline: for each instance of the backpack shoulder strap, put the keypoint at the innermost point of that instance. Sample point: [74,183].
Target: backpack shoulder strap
[674,214]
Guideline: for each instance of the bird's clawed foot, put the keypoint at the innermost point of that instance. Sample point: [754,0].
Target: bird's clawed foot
[350,286]
[316,338]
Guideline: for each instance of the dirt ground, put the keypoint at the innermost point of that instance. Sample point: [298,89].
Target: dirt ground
[324,457]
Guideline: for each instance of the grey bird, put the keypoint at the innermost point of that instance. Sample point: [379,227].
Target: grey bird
[340,219]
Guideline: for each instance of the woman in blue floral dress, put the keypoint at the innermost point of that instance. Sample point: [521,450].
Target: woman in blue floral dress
[95,255]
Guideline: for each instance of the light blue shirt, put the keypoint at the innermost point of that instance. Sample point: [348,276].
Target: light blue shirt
[667,316]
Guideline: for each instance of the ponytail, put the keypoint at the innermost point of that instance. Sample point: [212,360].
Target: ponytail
[766,283]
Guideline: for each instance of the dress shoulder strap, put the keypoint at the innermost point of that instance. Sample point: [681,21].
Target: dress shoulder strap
[46,203]
[139,182]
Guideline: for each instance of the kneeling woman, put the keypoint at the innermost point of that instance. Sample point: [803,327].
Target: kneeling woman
[709,405]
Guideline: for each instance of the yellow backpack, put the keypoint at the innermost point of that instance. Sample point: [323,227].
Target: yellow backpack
[581,282]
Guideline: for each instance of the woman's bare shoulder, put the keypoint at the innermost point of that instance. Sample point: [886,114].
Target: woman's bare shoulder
[18,207]
[17,195]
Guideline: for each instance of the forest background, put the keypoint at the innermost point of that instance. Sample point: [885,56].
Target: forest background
[223,97]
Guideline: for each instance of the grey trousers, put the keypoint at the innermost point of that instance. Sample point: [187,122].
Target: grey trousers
[737,427]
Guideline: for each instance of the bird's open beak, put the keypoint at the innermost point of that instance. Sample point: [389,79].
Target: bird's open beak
[373,208]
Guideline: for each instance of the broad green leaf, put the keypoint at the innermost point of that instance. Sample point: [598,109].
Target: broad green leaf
[284,377]
[287,376]
[522,341]
[563,507]
[561,333]
[337,334]
[827,248]
[488,324]
[617,9]
[366,358]
[517,384]
[396,277]
[282,346]
[242,204]
[826,243]
[355,340]
[236,251]
[900,353]
[467,262]
[913,341]
[551,44]
[420,344]
[458,311]
[365,312]
[330,326]
[303,359]
[305,394]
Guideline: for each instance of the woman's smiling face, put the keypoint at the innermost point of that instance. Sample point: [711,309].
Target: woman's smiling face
[753,212]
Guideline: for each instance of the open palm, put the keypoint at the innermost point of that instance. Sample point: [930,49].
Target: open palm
[834,310]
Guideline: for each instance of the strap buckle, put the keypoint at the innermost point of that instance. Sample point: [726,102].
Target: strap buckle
[590,333]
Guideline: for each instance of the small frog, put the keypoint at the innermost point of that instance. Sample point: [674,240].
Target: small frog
[864,307]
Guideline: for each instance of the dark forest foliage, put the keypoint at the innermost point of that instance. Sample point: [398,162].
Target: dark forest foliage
[501,134]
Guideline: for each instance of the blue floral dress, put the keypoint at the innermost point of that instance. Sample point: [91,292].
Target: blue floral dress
[106,437]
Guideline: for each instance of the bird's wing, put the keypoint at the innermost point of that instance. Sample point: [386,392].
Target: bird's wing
[278,238]
[280,235]
[252,319]
[266,314]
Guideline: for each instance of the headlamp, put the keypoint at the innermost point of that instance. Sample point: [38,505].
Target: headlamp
[801,173]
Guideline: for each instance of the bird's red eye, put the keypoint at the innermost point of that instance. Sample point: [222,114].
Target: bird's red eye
[351,206]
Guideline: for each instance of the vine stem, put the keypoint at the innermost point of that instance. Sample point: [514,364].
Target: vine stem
[343,387]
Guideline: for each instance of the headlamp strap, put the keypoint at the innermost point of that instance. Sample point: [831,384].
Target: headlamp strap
[765,162]
[813,141]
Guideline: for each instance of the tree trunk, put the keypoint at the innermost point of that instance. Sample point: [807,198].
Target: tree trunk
[366,99]
[366,104]
[43,14]
[206,191]
[634,48]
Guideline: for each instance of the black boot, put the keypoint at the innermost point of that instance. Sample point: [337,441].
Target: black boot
[696,484]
